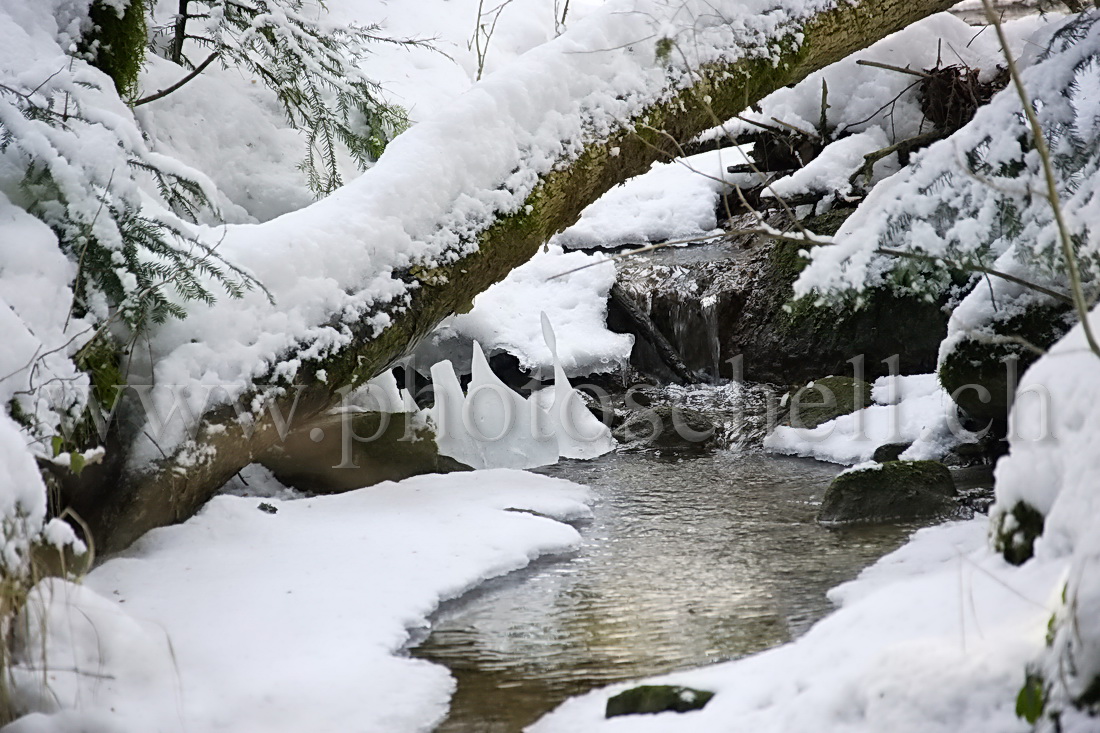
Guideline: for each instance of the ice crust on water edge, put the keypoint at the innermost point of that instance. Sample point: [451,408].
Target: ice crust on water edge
[491,426]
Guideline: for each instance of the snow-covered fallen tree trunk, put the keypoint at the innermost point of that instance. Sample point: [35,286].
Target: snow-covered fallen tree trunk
[453,206]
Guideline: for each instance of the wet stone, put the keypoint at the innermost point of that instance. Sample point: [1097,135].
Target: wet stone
[657,699]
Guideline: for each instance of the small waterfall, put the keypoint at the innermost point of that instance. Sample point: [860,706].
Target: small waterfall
[710,320]
[682,326]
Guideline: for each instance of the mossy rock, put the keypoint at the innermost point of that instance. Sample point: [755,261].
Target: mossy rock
[889,452]
[896,491]
[657,699]
[983,452]
[667,428]
[116,44]
[736,302]
[976,373]
[827,398]
[878,324]
[783,339]
[1015,532]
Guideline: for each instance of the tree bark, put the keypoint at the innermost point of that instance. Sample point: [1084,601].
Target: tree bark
[175,487]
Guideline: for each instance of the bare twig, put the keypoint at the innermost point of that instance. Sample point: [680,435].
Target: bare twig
[869,160]
[810,239]
[762,125]
[799,130]
[871,116]
[638,251]
[483,32]
[889,67]
[165,92]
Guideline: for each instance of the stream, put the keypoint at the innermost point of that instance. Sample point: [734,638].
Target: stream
[687,561]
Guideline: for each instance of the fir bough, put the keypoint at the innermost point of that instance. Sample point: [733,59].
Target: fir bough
[134,263]
[981,195]
[315,69]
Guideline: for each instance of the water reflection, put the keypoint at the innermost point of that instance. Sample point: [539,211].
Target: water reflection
[686,562]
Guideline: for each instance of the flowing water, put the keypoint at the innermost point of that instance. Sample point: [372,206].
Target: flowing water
[686,562]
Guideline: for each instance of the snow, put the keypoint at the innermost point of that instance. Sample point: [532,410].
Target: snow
[251,171]
[505,318]
[989,215]
[830,173]
[253,179]
[978,313]
[933,637]
[859,97]
[424,81]
[1052,468]
[248,621]
[245,620]
[380,394]
[36,347]
[676,200]
[348,253]
[909,409]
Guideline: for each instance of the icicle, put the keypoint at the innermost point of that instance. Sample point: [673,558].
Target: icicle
[579,433]
[492,426]
[383,390]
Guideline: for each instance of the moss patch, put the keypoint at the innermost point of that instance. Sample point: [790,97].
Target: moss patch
[877,323]
[889,452]
[657,699]
[101,359]
[827,398]
[1016,531]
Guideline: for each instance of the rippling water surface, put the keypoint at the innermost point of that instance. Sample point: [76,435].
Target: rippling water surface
[686,562]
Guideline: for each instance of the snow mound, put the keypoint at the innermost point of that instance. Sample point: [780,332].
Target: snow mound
[505,318]
[676,200]
[1052,467]
[286,620]
[910,409]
